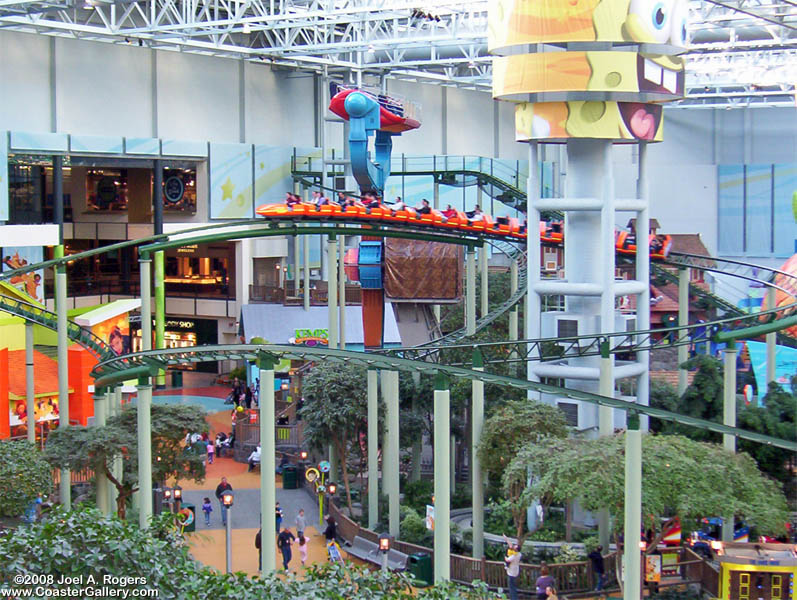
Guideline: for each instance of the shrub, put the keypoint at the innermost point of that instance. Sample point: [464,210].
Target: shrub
[25,466]
[413,529]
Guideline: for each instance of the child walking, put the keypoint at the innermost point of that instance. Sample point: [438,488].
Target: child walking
[211,451]
[207,508]
[303,548]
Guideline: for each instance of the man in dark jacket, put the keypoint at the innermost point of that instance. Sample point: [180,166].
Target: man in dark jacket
[597,567]
[284,541]
[259,546]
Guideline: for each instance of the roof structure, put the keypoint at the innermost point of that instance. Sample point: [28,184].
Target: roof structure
[741,52]
[44,384]
[689,243]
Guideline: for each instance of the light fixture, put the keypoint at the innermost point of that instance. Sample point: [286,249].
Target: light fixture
[227,498]
[303,454]
[178,493]
[167,494]
[717,546]
[332,487]
[247,28]
[643,545]
[384,542]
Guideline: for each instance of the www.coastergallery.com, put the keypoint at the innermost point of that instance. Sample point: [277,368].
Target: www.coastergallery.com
[82,586]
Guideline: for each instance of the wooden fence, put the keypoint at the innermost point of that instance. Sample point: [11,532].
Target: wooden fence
[570,577]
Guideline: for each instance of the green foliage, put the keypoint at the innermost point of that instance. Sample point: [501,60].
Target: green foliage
[240,372]
[26,473]
[776,418]
[498,518]
[84,542]
[417,494]
[671,594]
[510,428]
[77,448]
[412,529]
[567,554]
[679,477]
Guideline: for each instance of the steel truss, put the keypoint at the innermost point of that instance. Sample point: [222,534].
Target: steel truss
[741,54]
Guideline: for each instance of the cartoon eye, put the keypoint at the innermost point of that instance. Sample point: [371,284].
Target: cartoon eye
[650,20]
[678,34]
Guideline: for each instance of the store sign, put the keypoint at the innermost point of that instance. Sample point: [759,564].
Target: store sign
[178,324]
[106,190]
[310,337]
[173,189]
[187,249]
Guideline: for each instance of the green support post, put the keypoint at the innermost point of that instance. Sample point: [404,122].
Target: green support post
[63,367]
[633,509]
[373,449]
[296,265]
[100,479]
[332,292]
[729,418]
[442,491]
[390,459]
[605,427]
[470,291]
[477,477]
[144,432]
[114,409]
[30,393]
[306,270]
[513,313]
[268,494]
[683,321]
[160,311]
[453,462]
[771,340]
[483,268]
[342,294]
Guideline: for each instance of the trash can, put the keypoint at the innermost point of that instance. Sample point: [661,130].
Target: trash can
[289,477]
[177,379]
[187,516]
[419,566]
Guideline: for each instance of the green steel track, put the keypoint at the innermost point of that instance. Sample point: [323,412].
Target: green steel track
[144,364]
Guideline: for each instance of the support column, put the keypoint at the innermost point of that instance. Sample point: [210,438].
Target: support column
[334,465]
[306,270]
[605,428]
[342,294]
[633,509]
[729,418]
[390,454]
[114,408]
[268,494]
[100,479]
[144,407]
[477,477]
[332,292]
[683,321]
[296,265]
[452,453]
[30,393]
[373,449]
[483,268]
[531,325]
[63,367]
[643,274]
[470,291]
[442,491]
[513,314]
[144,404]
[771,346]
[160,312]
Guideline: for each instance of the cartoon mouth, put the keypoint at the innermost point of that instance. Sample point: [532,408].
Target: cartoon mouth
[655,78]
[642,120]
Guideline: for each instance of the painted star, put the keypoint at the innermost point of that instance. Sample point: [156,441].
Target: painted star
[227,188]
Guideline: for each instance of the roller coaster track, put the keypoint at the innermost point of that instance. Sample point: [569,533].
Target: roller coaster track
[143,364]
[48,319]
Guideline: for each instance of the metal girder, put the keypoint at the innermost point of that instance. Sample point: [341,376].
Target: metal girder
[438,41]
[117,369]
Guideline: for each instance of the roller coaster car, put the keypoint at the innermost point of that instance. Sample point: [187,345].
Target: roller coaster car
[391,111]
[660,245]
[551,233]
[454,222]
[507,225]
[435,217]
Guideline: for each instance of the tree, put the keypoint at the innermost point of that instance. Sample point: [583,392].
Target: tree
[680,477]
[511,427]
[775,416]
[335,411]
[26,473]
[96,448]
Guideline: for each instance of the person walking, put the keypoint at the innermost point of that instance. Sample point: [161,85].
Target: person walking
[284,541]
[259,546]
[331,532]
[301,523]
[550,593]
[211,451]
[278,515]
[512,566]
[220,489]
[544,581]
[598,567]
[303,548]
[207,508]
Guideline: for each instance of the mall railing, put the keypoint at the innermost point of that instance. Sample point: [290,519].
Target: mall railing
[90,286]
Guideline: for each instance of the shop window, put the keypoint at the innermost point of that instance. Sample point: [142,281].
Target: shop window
[179,190]
[106,189]
[30,189]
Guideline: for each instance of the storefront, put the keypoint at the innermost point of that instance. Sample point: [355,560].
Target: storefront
[206,271]
[181,332]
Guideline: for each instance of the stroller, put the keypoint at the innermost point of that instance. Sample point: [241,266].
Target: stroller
[333,552]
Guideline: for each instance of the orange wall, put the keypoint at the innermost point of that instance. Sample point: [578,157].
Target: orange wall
[81,402]
[5,427]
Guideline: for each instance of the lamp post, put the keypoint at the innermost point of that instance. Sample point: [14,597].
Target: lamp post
[332,488]
[167,498]
[178,497]
[227,499]
[384,548]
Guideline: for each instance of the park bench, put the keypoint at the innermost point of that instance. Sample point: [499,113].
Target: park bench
[369,552]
